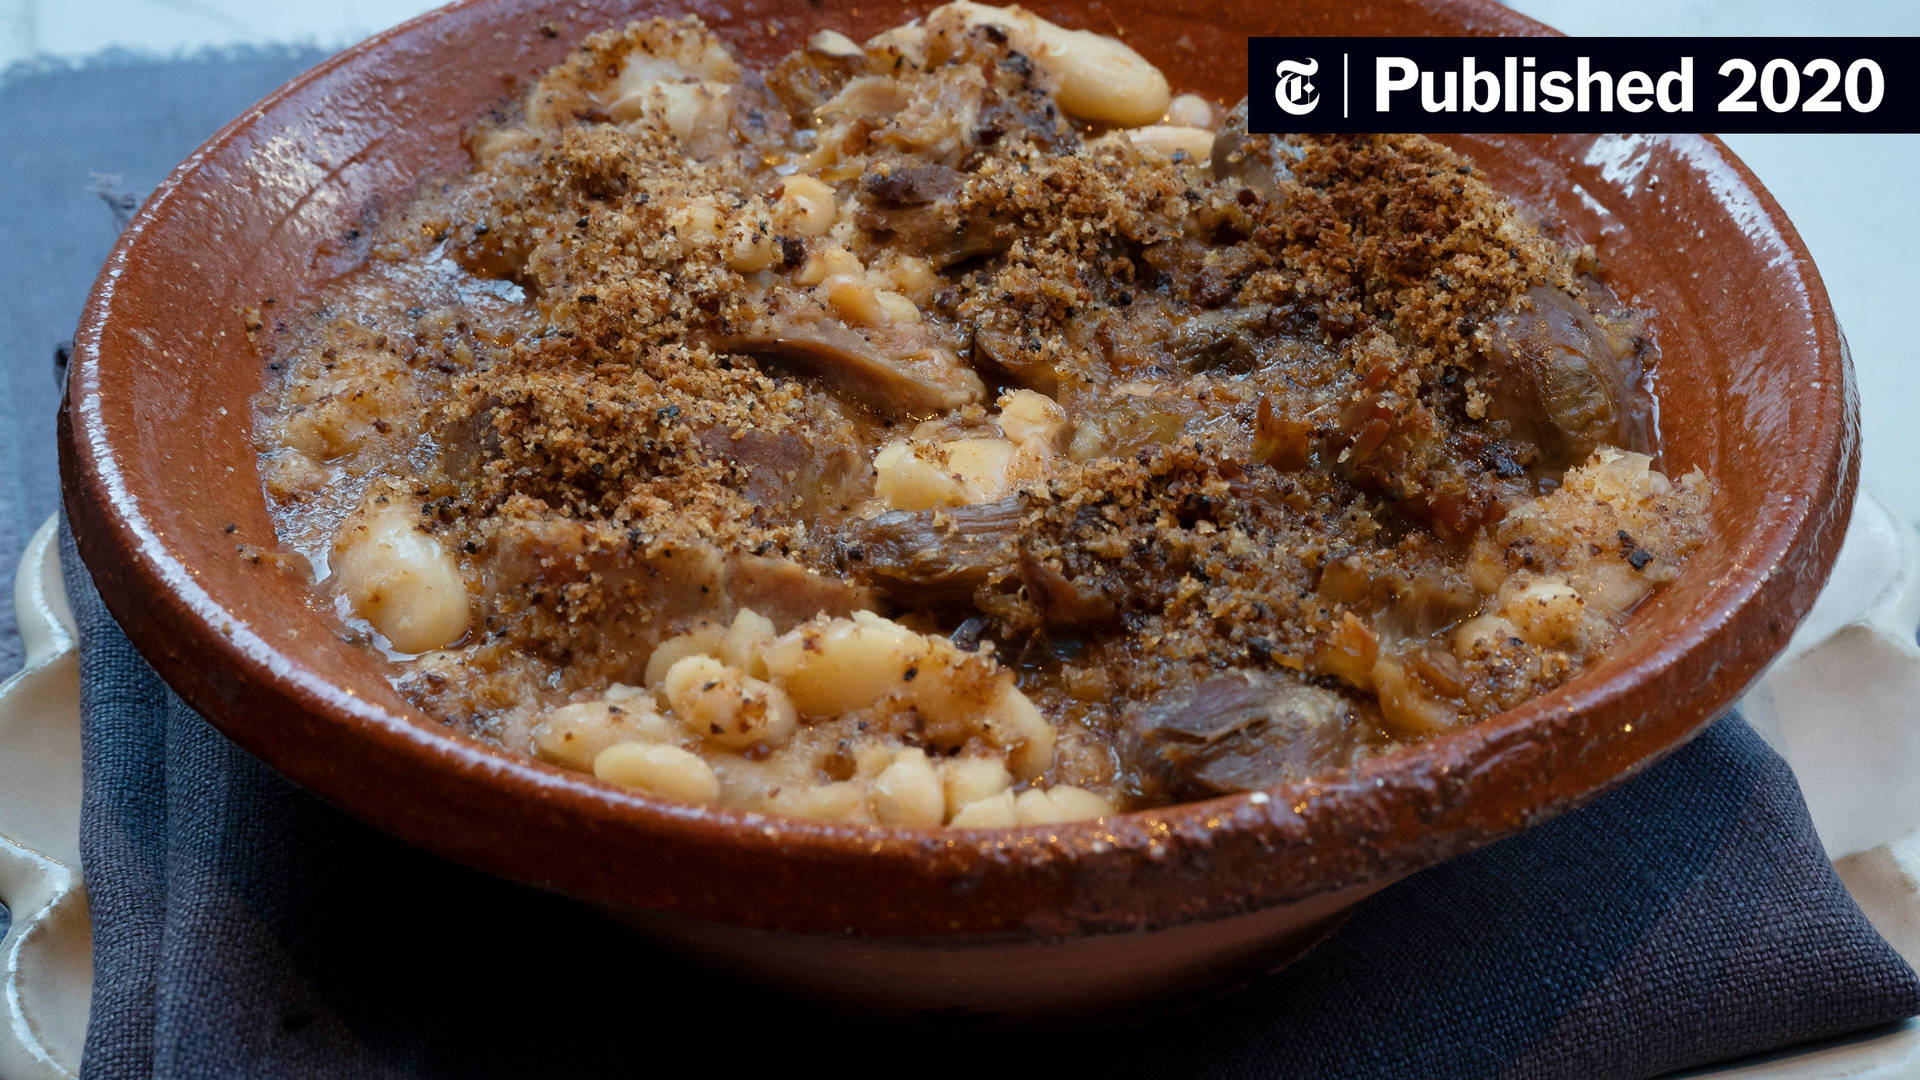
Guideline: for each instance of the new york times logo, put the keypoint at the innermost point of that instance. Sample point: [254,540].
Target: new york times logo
[1293,93]
[1649,85]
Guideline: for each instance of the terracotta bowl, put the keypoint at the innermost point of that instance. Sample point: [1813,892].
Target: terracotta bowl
[158,459]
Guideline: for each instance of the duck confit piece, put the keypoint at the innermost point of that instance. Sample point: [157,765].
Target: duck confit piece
[956,556]
[1243,731]
[899,372]
[917,207]
[1559,380]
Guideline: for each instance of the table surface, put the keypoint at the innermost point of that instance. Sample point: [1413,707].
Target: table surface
[1848,194]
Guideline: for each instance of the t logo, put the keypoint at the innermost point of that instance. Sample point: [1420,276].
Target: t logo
[1293,93]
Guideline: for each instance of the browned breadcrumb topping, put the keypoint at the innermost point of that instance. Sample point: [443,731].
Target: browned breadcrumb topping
[1327,409]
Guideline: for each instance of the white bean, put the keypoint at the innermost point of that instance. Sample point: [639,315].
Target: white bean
[980,465]
[1546,613]
[1030,417]
[1169,140]
[746,642]
[1190,110]
[831,259]
[957,699]
[807,204]
[993,812]
[909,275]
[573,735]
[968,780]
[750,246]
[919,476]
[1016,725]
[1612,589]
[727,708]
[400,579]
[1078,804]
[661,770]
[702,642]
[836,667]
[1051,806]
[696,224]
[834,43]
[907,479]
[907,792]
[831,667]
[870,758]
[895,307]
[1482,634]
[853,300]
[842,801]
[688,110]
[1098,78]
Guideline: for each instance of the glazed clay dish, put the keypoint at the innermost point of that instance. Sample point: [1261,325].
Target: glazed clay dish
[889,482]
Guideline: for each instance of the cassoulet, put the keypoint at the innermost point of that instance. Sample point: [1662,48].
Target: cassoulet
[959,428]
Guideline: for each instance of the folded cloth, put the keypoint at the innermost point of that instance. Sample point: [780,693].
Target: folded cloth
[243,928]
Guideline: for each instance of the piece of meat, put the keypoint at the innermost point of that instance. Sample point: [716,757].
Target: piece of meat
[1393,437]
[898,372]
[1553,375]
[808,78]
[590,596]
[922,383]
[1065,603]
[942,238]
[583,594]
[897,184]
[918,555]
[1258,162]
[918,206]
[1244,730]
[946,556]
[806,473]
[994,346]
[872,98]
[1206,275]
[1017,105]
[1213,342]
[787,592]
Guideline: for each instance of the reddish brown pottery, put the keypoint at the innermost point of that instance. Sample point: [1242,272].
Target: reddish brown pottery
[157,458]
